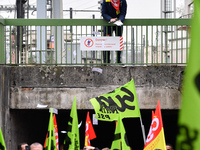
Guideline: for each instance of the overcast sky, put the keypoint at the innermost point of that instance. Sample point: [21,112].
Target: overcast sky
[135,9]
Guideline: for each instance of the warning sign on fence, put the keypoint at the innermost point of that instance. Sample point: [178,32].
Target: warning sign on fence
[104,43]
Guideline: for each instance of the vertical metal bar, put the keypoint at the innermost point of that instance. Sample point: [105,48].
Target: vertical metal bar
[16,49]
[36,50]
[157,48]
[177,47]
[187,45]
[76,47]
[132,45]
[31,55]
[26,45]
[172,44]
[126,46]
[71,45]
[161,52]
[102,51]
[96,53]
[147,45]
[112,53]
[166,45]
[91,53]
[20,47]
[65,47]
[141,44]
[86,59]
[81,51]
[61,47]
[182,44]
[55,44]
[40,44]
[152,51]
[10,37]
[136,45]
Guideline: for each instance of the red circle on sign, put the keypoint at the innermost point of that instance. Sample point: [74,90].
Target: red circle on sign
[89,42]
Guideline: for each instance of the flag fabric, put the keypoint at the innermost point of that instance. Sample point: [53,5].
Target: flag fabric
[72,141]
[121,101]
[50,143]
[56,133]
[120,141]
[89,130]
[156,137]
[2,142]
[189,114]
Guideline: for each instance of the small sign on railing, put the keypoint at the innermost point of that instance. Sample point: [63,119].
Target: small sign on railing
[104,43]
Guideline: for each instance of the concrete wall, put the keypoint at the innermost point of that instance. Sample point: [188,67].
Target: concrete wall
[22,88]
[5,123]
[57,86]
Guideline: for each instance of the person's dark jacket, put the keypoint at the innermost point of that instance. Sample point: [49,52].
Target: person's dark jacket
[108,11]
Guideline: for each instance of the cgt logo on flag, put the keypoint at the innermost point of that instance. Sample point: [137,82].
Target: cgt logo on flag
[89,131]
[155,138]
[153,129]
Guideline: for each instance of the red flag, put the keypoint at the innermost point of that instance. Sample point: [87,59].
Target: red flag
[89,131]
[156,138]
[56,133]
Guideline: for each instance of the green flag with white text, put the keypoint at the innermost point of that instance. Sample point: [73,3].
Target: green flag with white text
[120,141]
[188,137]
[72,141]
[121,101]
[2,142]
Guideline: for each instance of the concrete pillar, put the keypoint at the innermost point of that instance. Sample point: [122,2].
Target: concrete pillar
[4,106]
[57,13]
[41,32]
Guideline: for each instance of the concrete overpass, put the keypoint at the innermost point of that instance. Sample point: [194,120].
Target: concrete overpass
[23,87]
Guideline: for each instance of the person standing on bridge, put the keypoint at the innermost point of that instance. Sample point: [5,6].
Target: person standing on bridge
[112,11]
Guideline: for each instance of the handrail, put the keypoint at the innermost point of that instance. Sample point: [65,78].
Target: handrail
[146,41]
[91,22]
[2,21]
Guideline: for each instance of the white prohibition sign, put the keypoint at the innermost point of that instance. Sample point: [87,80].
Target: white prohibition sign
[89,42]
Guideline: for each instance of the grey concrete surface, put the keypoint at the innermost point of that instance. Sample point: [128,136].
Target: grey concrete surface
[57,86]
[23,87]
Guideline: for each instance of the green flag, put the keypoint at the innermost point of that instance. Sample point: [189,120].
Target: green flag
[72,141]
[121,101]
[50,141]
[2,142]
[188,137]
[120,141]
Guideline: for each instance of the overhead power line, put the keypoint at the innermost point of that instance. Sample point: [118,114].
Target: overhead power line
[84,10]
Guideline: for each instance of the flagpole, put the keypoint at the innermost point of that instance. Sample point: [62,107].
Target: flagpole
[143,131]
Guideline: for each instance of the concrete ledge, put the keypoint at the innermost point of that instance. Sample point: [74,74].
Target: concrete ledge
[57,86]
[62,98]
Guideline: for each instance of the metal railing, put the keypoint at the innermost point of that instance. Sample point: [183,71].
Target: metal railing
[57,41]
